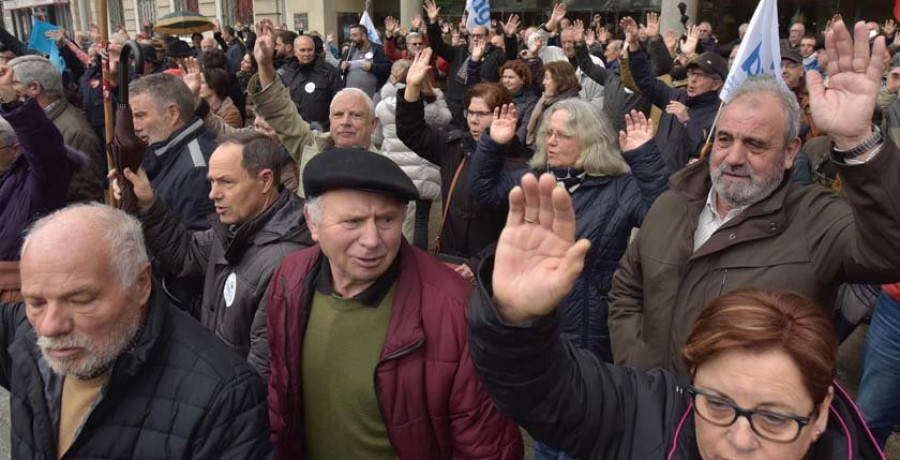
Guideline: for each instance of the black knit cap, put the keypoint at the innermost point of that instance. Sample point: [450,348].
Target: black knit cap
[356,169]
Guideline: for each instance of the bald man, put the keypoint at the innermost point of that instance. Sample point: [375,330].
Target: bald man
[312,83]
[96,348]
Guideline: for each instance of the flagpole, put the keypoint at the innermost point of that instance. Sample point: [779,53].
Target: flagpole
[704,151]
[106,85]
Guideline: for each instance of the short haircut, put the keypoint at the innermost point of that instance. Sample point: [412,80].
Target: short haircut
[758,321]
[37,69]
[165,90]
[259,152]
[762,84]
[600,154]
[196,34]
[364,29]
[412,35]
[228,30]
[127,251]
[401,67]
[370,106]
[493,94]
[214,58]
[564,75]
[520,68]
[217,81]
[809,36]
[288,37]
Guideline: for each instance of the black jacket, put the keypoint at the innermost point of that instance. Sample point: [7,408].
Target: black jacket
[312,88]
[617,100]
[570,400]
[470,227]
[176,392]
[248,256]
[679,142]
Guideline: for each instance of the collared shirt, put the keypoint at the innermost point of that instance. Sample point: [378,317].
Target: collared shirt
[52,105]
[369,297]
[710,221]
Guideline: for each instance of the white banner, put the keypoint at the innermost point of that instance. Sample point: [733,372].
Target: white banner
[760,51]
[479,13]
[367,21]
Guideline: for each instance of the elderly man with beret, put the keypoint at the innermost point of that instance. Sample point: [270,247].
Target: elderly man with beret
[365,341]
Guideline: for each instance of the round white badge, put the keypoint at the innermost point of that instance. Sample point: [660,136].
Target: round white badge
[230,289]
[310,87]
[369,55]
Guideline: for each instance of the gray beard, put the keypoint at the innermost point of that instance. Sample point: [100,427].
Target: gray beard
[740,194]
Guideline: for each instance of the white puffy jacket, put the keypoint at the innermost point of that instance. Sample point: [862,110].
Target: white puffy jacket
[425,174]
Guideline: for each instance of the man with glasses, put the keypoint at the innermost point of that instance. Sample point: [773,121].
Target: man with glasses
[688,112]
[795,34]
[311,81]
[794,77]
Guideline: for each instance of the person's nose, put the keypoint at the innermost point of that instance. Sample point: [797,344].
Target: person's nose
[53,321]
[368,236]
[215,193]
[741,436]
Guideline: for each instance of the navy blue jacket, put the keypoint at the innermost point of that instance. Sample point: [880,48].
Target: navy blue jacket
[678,142]
[177,170]
[606,209]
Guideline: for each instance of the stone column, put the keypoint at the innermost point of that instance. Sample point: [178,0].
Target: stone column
[670,17]
[408,9]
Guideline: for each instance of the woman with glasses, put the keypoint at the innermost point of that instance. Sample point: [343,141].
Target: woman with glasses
[762,363]
[466,227]
[612,181]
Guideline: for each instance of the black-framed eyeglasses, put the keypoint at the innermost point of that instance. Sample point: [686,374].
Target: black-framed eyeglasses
[772,426]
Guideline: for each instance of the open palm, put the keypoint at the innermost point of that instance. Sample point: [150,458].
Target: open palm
[537,259]
[844,109]
[638,131]
[503,128]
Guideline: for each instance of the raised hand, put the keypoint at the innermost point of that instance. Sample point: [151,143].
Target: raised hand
[142,189]
[603,35]
[511,25]
[589,37]
[889,27]
[652,27]
[538,259]
[503,128]
[432,10]
[329,38]
[559,12]
[631,32]
[419,69]
[417,22]
[58,36]
[7,89]
[536,45]
[671,40]
[390,26]
[689,45]
[463,20]
[193,78]
[638,131]
[844,109]
[478,50]
[263,51]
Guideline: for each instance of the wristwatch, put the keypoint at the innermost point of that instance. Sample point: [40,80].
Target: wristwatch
[868,144]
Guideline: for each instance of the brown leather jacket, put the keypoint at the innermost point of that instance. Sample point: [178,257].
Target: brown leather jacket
[801,238]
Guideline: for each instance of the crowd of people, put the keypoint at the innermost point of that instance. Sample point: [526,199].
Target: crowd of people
[415,248]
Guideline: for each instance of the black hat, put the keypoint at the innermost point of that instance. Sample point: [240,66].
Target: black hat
[711,63]
[356,169]
[149,53]
[791,54]
[317,44]
[179,49]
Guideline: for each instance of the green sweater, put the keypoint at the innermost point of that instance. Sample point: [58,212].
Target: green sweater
[341,348]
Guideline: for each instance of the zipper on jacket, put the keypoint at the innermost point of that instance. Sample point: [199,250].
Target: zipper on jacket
[397,354]
[724,277]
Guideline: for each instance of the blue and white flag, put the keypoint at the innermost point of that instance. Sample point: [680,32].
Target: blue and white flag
[760,51]
[479,13]
[367,21]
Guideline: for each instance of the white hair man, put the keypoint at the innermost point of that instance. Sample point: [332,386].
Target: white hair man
[95,348]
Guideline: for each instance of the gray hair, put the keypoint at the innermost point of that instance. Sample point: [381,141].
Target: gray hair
[117,38]
[315,206]
[414,35]
[123,233]
[7,134]
[760,84]
[600,153]
[164,90]
[37,69]
[370,106]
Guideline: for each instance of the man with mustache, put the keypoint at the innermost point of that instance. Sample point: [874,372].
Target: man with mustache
[736,220]
[365,341]
[99,364]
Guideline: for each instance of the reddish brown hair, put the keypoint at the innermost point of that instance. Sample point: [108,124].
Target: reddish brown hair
[520,68]
[494,95]
[759,320]
[564,75]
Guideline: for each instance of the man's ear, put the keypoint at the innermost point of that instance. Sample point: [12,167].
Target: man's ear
[790,152]
[267,180]
[313,227]
[173,115]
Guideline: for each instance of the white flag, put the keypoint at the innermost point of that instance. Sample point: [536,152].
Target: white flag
[367,21]
[479,13]
[760,51]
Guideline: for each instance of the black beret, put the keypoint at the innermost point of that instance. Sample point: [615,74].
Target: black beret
[356,169]
[179,48]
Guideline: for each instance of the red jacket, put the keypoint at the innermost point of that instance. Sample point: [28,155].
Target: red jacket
[433,404]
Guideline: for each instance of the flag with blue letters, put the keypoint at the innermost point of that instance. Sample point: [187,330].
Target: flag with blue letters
[366,20]
[760,51]
[479,13]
